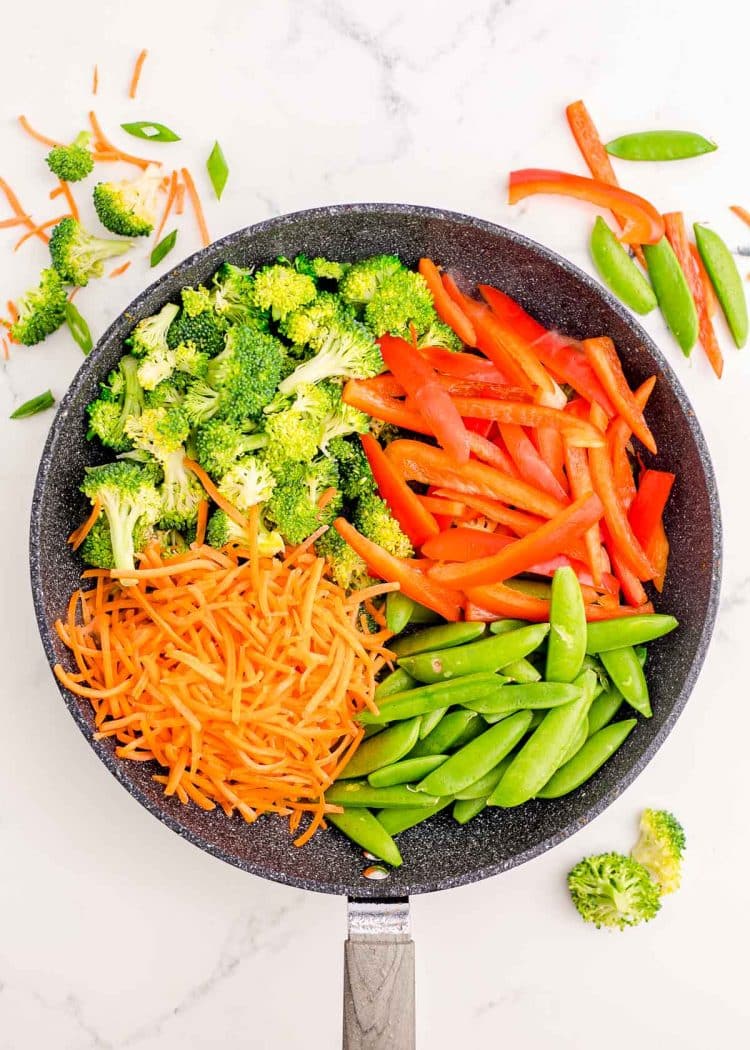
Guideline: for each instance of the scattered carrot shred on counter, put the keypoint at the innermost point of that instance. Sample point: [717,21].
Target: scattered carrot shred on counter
[95,81]
[137,69]
[68,195]
[246,694]
[18,209]
[120,270]
[192,193]
[6,349]
[106,150]
[22,120]
[171,196]
[741,213]
[36,230]
[180,199]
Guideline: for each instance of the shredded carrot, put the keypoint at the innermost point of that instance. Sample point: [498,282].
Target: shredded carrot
[56,191]
[105,150]
[171,195]
[77,537]
[37,134]
[211,490]
[200,529]
[12,310]
[6,348]
[39,229]
[119,270]
[95,81]
[17,208]
[741,213]
[326,497]
[66,191]
[192,193]
[180,199]
[137,73]
[18,220]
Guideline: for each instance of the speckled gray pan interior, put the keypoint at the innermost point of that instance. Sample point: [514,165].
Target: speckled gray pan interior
[438,854]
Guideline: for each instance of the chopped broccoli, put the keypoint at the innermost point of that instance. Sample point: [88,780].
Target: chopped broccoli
[341,420]
[131,503]
[247,483]
[309,325]
[41,310]
[164,394]
[347,352]
[181,364]
[220,443]
[151,332]
[196,300]
[613,890]
[400,301]
[294,432]
[96,549]
[361,281]
[375,521]
[74,162]
[206,331]
[354,470]
[659,848]
[241,381]
[280,289]
[222,530]
[320,269]
[293,505]
[172,542]
[384,432]
[162,433]
[77,255]
[439,334]
[233,297]
[346,566]
[120,399]
[129,207]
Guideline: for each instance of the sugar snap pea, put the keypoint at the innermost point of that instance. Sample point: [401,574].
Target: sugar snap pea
[603,709]
[722,269]
[512,698]
[533,588]
[365,830]
[382,750]
[592,756]
[672,293]
[373,731]
[466,809]
[486,655]
[396,682]
[618,271]
[399,609]
[566,646]
[408,771]
[577,742]
[660,145]
[444,636]
[625,670]
[427,698]
[358,794]
[476,758]
[430,720]
[642,653]
[422,615]
[627,630]
[450,731]
[472,729]
[397,820]
[484,786]
[503,626]
[521,671]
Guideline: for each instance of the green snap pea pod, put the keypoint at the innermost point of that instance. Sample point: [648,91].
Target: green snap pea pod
[503,626]
[618,271]
[624,668]
[592,756]
[476,758]
[444,636]
[422,615]
[672,293]
[430,720]
[660,145]
[358,794]
[513,698]
[373,731]
[398,681]
[487,655]
[450,731]
[537,717]
[484,786]
[627,630]
[726,280]
[534,588]
[642,653]
[398,611]
[365,830]
[566,646]
[603,709]
[408,771]
[428,698]
[540,756]
[521,671]
[466,809]
[577,743]
[397,820]
[472,730]
[382,750]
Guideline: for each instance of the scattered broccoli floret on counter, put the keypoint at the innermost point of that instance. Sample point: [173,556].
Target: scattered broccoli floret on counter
[233,297]
[77,255]
[354,471]
[400,301]
[131,503]
[129,207]
[348,351]
[293,506]
[320,269]
[375,521]
[613,890]
[441,335]
[660,847]
[41,310]
[74,162]
[120,399]
[347,567]
[151,332]
[241,381]
[310,324]
[204,330]
[162,433]
[222,530]
[281,289]
[220,443]
[362,279]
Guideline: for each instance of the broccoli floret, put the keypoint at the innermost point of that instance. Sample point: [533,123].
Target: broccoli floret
[41,310]
[196,300]
[361,281]
[384,432]
[280,289]
[129,207]
[205,331]
[172,542]
[96,549]
[151,332]
[293,506]
[309,325]
[341,421]
[222,530]
[613,890]
[439,334]
[241,381]
[220,443]
[320,269]
[120,399]
[77,255]
[164,394]
[181,364]
[354,470]
[74,162]
[131,503]
[400,301]
[345,565]
[247,483]
[294,432]
[233,297]
[375,521]
[347,352]
[162,433]
[659,848]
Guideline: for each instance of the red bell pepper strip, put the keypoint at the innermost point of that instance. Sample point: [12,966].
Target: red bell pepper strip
[576,431]
[643,223]
[632,588]
[647,508]
[480,427]
[531,466]
[658,553]
[605,362]
[579,477]
[411,514]
[551,447]
[619,436]
[447,310]
[487,603]
[674,224]
[388,385]
[494,453]
[417,461]
[360,394]
[447,508]
[549,540]
[419,380]
[622,535]
[712,303]
[463,366]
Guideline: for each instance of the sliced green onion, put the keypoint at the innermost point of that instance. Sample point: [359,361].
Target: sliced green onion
[151,130]
[78,328]
[36,404]
[164,247]
[218,170]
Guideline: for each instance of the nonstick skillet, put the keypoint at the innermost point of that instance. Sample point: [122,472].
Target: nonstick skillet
[379,994]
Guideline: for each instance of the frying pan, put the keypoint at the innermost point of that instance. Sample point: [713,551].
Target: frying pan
[379,1004]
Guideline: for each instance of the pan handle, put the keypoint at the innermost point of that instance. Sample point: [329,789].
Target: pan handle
[379,977]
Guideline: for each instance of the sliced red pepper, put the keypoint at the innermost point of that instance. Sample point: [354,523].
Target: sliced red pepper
[493,452]
[419,380]
[447,310]
[579,477]
[646,510]
[487,603]
[463,366]
[388,385]
[712,303]
[547,541]
[674,224]
[605,362]
[481,427]
[643,223]
[394,570]
[413,517]
[361,394]
[632,588]
[576,431]
[448,508]
[550,446]
[619,435]
[658,553]
[531,466]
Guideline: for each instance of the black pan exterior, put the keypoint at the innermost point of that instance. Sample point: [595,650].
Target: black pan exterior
[440,853]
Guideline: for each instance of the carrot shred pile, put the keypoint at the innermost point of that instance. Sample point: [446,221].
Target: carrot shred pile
[241,676]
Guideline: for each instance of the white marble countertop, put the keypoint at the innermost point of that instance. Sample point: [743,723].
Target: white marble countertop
[115,933]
